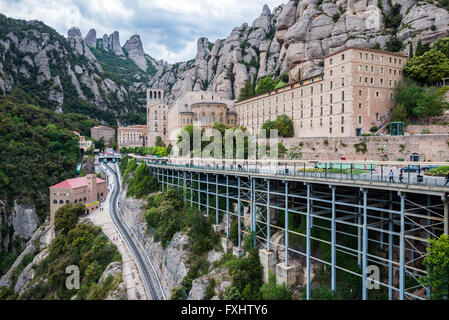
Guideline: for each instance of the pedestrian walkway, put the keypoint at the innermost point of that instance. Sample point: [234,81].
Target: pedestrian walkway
[131,277]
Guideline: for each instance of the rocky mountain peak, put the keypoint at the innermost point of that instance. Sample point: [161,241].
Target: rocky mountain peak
[135,50]
[74,32]
[266,10]
[114,43]
[91,38]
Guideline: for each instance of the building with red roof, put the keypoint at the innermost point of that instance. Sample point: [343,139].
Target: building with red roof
[89,190]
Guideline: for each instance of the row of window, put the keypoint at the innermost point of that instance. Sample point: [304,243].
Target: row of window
[371,55]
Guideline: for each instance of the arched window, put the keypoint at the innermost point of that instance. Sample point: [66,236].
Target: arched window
[55,201]
[67,202]
[61,202]
[102,194]
[76,201]
[85,199]
[81,200]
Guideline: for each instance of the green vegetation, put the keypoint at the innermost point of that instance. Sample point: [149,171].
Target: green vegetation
[417,102]
[438,172]
[283,124]
[437,263]
[361,147]
[38,150]
[272,291]
[81,245]
[247,91]
[144,151]
[265,85]
[139,179]
[399,114]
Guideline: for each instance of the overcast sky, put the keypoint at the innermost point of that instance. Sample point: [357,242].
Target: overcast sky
[169,28]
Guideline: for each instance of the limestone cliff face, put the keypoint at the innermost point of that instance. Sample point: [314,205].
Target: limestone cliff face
[304,33]
[135,51]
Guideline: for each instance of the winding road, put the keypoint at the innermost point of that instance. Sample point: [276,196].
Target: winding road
[147,272]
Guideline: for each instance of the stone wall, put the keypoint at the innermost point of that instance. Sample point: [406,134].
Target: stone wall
[431,147]
[432,129]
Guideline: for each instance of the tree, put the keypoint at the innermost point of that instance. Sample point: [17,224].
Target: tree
[394,44]
[66,217]
[437,263]
[99,144]
[159,142]
[282,150]
[428,68]
[280,84]
[409,93]
[432,103]
[399,113]
[284,77]
[421,49]
[442,45]
[233,294]
[247,91]
[265,85]
[285,126]
[410,53]
[268,125]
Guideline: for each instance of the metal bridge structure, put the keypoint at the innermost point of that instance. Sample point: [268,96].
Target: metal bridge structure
[332,225]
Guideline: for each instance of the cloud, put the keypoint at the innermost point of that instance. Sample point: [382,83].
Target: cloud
[169,29]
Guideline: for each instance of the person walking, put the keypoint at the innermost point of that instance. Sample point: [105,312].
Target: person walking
[391,176]
[447,179]
[401,177]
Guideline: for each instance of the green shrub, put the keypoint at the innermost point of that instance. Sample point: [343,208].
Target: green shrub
[439,172]
[210,290]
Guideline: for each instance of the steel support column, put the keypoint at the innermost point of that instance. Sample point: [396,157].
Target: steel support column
[308,244]
[402,249]
[207,194]
[227,206]
[216,200]
[390,250]
[365,244]
[239,212]
[286,222]
[333,245]
[268,217]
[446,216]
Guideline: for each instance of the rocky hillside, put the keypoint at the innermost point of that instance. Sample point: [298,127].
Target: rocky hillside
[99,77]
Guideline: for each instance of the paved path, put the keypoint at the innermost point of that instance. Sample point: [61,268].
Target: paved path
[133,283]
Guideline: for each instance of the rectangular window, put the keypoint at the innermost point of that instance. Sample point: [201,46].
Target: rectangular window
[360,119]
[342,57]
[360,106]
[342,108]
[342,129]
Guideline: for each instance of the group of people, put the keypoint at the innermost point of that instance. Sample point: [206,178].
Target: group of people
[401,177]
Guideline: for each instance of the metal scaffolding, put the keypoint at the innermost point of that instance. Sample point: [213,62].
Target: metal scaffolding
[336,226]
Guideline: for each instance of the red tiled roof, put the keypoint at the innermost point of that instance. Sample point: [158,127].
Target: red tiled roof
[74,183]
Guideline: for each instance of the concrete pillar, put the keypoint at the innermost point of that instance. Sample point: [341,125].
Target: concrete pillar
[286,274]
[226,244]
[238,252]
[268,260]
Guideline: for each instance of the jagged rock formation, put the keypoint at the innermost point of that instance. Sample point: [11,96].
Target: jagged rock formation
[91,38]
[135,51]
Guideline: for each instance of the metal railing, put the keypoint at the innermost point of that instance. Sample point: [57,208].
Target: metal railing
[367,171]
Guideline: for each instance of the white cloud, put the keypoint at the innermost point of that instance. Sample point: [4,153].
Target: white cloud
[169,29]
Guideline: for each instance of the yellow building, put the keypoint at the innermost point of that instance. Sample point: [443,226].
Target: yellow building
[355,93]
